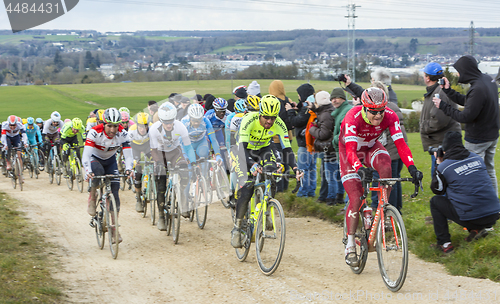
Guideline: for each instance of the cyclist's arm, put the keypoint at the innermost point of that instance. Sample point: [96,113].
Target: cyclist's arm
[227,129]
[186,142]
[211,136]
[399,141]
[127,153]
[24,137]
[38,134]
[249,160]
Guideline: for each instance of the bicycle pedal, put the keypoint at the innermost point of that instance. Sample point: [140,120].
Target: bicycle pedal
[92,224]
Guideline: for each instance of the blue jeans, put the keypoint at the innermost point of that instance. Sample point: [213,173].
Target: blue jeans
[323,191]
[396,197]
[331,179]
[306,161]
[487,152]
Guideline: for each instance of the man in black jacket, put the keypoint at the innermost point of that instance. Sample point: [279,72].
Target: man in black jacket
[306,160]
[480,113]
[469,201]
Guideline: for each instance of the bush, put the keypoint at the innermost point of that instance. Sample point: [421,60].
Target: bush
[412,122]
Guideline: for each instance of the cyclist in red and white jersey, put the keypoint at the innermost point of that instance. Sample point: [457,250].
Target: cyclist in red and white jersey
[13,133]
[358,146]
[99,155]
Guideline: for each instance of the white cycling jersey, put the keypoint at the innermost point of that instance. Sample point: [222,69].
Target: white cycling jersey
[48,128]
[135,137]
[19,129]
[100,145]
[167,141]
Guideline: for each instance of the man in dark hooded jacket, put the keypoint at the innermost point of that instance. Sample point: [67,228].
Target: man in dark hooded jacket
[480,113]
[458,173]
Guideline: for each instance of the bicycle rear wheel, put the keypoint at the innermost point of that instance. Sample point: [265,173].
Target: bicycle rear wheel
[13,175]
[175,212]
[79,175]
[392,249]
[271,230]
[202,198]
[167,211]
[41,160]
[222,187]
[112,223]
[360,237]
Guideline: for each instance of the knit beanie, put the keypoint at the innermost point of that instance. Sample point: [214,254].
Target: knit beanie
[338,93]
[253,88]
[323,98]
[451,140]
[241,93]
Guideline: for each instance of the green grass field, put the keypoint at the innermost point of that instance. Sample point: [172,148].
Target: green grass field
[78,100]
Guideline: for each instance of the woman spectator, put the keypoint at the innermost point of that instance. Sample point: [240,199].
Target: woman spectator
[322,131]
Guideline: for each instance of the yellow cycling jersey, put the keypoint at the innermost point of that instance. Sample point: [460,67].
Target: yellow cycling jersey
[137,138]
[257,137]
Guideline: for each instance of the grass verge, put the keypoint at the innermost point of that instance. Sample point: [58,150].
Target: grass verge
[24,260]
[478,259]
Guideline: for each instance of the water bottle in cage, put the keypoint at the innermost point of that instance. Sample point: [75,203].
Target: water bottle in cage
[367,217]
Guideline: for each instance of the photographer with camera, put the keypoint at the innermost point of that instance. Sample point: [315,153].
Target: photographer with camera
[433,122]
[480,113]
[458,173]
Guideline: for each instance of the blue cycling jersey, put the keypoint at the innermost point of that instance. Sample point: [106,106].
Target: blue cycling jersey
[201,132]
[33,133]
[218,124]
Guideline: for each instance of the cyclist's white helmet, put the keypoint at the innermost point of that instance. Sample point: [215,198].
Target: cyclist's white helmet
[196,111]
[112,116]
[55,116]
[167,112]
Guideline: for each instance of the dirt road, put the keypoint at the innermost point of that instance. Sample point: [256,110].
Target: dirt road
[203,268]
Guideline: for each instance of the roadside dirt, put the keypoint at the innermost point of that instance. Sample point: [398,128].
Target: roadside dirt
[203,268]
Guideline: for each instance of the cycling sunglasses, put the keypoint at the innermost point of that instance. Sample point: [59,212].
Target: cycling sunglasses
[373,112]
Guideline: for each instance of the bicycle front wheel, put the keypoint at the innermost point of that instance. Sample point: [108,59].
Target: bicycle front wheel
[392,249]
[69,177]
[202,198]
[152,201]
[246,238]
[50,169]
[79,175]
[222,187]
[175,212]
[58,170]
[271,231]
[13,174]
[18,170]
[98,223]
[112,223]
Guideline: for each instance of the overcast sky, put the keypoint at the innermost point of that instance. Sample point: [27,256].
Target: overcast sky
[132,15]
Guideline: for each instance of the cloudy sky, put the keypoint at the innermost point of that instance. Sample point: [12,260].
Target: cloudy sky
[132,15]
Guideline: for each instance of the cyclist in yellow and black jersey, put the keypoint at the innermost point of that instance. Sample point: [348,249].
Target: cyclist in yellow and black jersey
[139,141]
[256,154]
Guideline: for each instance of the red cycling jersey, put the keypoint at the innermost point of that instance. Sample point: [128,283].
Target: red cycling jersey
[357,135]
[358,145]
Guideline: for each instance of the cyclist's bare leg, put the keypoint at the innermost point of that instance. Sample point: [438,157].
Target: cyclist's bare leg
[91,207]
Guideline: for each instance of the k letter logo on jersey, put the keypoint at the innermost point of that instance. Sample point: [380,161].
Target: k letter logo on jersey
[25,14]
[351,128]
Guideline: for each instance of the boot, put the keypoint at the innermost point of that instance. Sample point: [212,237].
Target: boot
[91,208]
[138,205]
[161,224]
[236,235]
[339,200]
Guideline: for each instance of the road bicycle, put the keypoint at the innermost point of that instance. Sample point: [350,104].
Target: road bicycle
[54,164]
[385,234]
[264,224]
[15,172]
[106,217]
[74,170]
[172,209]
[199,196]
[219,182]
[148,190]
[32,163]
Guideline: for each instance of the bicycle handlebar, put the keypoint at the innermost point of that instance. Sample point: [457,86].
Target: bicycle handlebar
[297,186]
[390,181]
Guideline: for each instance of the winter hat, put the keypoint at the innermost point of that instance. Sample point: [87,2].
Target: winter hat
[452,139]
[253,88]
[322,98]
[305,90]
[338,93]
[241,92]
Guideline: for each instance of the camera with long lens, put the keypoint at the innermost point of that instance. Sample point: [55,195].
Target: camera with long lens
[340,77]
[438,150]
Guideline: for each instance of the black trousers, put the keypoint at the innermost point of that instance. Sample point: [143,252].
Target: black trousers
[442,210]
